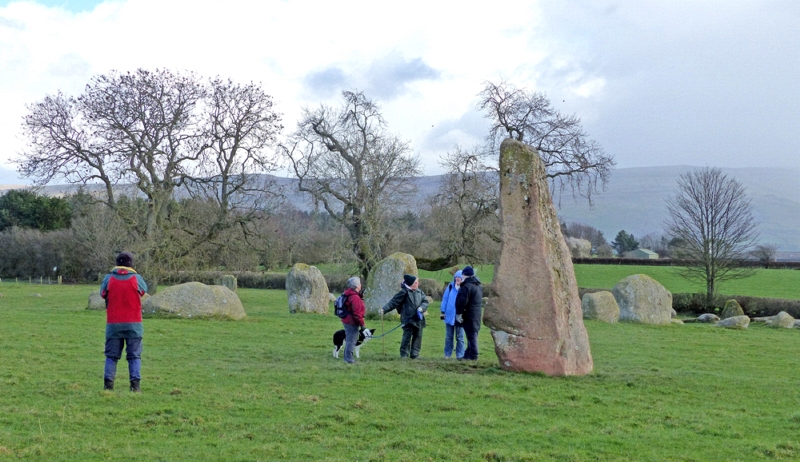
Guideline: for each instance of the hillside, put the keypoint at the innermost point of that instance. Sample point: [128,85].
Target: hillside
[635,201]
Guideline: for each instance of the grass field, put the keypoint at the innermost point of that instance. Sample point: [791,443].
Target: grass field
[267,388]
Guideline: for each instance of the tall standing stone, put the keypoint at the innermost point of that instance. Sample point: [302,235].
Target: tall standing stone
[536,317]
[307,290]
[385,278]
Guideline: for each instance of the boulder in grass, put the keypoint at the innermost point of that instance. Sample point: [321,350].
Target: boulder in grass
[731,309]
[194,300]
[307,290]
[643,299]
[782,319]
[736,322]
[601,306]
[96,302]
[708,317]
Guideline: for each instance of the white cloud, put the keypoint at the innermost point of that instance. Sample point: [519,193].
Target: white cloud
[630,70]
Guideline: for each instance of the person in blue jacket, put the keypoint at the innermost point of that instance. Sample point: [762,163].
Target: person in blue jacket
[451,327]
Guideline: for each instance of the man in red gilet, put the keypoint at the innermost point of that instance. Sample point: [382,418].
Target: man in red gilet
[122,289]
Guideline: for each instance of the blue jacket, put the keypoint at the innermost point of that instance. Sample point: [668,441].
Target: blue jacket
[449,301]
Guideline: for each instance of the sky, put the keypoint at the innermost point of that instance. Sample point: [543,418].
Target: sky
[703,83]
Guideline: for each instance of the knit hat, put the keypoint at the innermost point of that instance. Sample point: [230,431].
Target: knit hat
[468,272]
[409,279]
[125,259]
[458,275]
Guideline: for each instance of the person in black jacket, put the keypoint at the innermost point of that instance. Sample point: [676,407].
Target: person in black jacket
[468,310]
[412,304]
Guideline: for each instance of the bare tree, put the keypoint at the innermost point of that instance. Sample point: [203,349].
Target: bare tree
[569,156]
[348,162]
[463,209]
[159,133]
[711,218]
[765,253]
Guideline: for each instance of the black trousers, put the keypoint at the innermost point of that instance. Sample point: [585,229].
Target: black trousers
[471,332]
[411,342]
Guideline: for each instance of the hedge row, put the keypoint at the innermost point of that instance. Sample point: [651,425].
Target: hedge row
[671,262]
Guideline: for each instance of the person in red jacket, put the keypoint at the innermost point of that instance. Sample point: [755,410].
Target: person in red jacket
[122,289]
[354,321]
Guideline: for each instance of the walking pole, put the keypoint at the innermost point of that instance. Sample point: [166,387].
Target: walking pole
[383,336]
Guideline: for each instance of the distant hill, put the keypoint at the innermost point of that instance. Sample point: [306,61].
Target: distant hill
[635,201]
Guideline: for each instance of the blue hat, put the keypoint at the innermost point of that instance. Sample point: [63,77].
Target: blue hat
[458,275]
[468,272]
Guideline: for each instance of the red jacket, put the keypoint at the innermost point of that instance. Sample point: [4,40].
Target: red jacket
[355,306]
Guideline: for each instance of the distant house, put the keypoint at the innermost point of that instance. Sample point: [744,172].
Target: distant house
[642,253]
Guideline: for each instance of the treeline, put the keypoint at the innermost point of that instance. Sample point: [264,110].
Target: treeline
[83,241]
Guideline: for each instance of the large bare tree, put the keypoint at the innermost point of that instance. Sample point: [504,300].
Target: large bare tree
[711,220]
[157,133]
[570,157]
[462,212]
[349,163]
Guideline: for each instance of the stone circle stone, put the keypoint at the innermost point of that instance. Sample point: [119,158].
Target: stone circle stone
[782,319]
[731,309]
[307,290]
[708,317]
[96,302]
[601,306]
[535,317]
[735,322]
[194,300]
[385,279]
[643,299]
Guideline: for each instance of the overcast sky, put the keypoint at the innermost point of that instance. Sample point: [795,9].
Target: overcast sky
[705,83]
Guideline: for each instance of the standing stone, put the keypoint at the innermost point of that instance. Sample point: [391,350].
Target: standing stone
[642,299]
[385,278]
[536,318]
[229,281]
[731,309]
[307,290]
[601,306]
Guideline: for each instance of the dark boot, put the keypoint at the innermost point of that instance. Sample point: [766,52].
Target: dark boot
[108,384]
[135,386]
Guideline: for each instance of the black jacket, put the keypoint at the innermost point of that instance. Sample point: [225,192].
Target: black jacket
[406,303]
[470,301]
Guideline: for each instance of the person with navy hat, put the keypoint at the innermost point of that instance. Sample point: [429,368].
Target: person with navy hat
[123,289]
[469,303]
[412,305]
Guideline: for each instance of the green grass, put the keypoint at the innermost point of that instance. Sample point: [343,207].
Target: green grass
[268,389]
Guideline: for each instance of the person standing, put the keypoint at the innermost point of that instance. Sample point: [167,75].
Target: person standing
[412,304]
[449,317]
[469,302]
[354,321]
[122,290]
